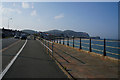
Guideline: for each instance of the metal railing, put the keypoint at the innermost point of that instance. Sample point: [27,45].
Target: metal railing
[71,42]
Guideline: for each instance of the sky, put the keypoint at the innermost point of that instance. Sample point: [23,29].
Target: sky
[95,18]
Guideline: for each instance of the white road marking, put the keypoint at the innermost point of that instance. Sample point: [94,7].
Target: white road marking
[46,46]
[11,62]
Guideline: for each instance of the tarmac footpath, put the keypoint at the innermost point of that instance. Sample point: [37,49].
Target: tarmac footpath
[86,65]
[33,62]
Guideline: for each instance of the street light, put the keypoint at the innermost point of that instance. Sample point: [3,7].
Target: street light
[8,22]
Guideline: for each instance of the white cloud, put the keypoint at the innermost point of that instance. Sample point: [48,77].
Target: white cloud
[10,10]
[1,10]
[59,16]
[33,13]
[32,6]
[25,5]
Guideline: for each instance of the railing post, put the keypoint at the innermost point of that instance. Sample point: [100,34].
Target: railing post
[73,42]
[57,40]
[90,46]
[80,44]
[54,39]
[52,48]
[63,40]
[104,54]
[68,41]
[60,40]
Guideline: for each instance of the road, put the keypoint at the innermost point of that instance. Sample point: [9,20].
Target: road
[9,52]
[4,49]
[8,41]
[32,62]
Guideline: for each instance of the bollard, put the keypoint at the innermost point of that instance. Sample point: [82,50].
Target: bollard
[63,40]
[90,46]
[80,44]
[73,42]
[52,48]
[104,53]
[68,41]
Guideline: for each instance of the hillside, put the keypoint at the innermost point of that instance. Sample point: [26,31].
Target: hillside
[29,31]
[71,33]
[56,32]
[68,33]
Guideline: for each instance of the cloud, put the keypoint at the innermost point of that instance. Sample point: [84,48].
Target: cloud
[59,16]
[25,5]
[32,6]
[10,10]
[33,13]
[1,10]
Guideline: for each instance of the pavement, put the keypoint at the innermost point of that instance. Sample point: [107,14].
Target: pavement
[82,64]
[33,62]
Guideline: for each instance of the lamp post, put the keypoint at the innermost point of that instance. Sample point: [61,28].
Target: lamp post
[8,22]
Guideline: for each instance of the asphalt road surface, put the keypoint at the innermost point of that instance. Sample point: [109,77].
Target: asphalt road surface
[7,42]
[10,52]
[32,62]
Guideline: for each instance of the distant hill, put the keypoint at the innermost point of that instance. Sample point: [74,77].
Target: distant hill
[29,31]
[56,32]
[71,33]
[68,33]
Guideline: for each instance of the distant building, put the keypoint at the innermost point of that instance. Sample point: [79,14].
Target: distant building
[46,36]
[9,32]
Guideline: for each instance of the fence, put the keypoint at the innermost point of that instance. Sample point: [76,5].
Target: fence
[80,42]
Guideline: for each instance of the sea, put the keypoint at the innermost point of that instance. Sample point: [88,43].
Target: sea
[97,46]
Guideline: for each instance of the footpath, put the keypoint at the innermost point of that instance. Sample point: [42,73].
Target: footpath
[82,64]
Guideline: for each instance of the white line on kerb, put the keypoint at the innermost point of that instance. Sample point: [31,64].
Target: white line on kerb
[11,62]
